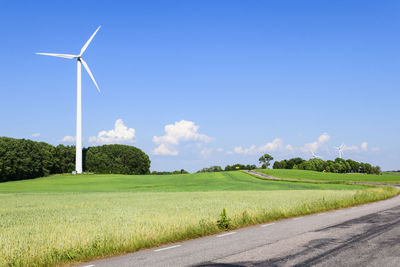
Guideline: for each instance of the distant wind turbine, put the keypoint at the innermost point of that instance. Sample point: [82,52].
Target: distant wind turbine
[80,61]
[340,150]
[315,156]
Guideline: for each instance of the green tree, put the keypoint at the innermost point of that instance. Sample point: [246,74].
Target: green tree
[239,167]
[265,160]
[212,169]
[64,159]
[24,159]
[121,159]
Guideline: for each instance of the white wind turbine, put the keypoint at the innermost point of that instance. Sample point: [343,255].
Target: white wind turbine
[340,150]
[315,156]
[80,61]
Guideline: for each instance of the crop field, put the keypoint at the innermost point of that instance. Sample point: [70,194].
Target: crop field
[328,176]
[63,219]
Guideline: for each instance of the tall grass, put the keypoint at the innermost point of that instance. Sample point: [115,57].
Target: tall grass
[45,229]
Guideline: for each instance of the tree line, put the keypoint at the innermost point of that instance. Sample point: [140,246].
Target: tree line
[338,165]
[229,168]
[182,171]
[26,159]
[315,164]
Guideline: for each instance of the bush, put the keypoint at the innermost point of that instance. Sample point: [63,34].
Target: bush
[121,159]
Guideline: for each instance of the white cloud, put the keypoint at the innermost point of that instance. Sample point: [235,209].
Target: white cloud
[356,149]
[68,139]
[277,146]
[272,146]
[364,146]
[36,135]
[206,152]
[247,151]
[307,148]
[163,149]
[314,146]
[323,138]
[220,149]
[120,134]
[289,147]
[182,131]
[352,148]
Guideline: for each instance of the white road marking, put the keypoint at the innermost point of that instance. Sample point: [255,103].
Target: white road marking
[268,224]
[319,214]
[298,218]
[161,249]
[226,234]
[91,265]
[353,208]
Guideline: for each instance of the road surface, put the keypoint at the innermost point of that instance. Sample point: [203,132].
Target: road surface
[367,235]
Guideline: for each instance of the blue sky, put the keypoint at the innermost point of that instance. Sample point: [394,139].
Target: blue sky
[232,79]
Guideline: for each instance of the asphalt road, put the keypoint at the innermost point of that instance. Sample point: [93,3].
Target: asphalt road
[367,235]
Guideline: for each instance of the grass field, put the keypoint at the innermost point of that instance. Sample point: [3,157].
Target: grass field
[61,219]
[218,181]
[328,176]
[391,173]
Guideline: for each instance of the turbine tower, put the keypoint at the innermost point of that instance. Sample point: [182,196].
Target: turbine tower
[340,150]
[80,62]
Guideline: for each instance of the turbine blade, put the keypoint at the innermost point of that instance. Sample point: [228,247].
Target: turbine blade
[90,73]
[88,42]
[58,55]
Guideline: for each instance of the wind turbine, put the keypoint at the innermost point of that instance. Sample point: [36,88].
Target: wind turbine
[80,61]
[315,156]
[340,150]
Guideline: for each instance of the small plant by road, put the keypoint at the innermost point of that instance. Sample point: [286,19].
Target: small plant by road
[223,222]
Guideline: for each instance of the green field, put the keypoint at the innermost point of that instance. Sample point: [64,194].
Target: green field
[391,173]
[218,181]
[65,218]
[328,176]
